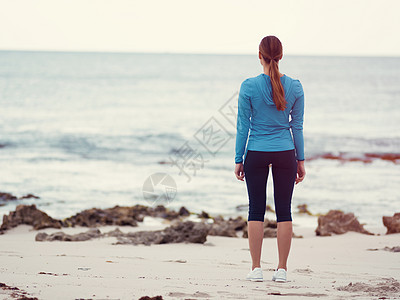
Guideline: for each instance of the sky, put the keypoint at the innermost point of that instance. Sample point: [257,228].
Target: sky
[305,27]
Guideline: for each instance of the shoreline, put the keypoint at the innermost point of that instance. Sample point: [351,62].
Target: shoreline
[193,263]
[96,269]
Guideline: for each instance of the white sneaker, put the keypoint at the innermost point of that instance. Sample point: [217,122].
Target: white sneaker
[255,275]
[279,275]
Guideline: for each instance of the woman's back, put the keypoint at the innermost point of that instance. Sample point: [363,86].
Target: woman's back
[270,127]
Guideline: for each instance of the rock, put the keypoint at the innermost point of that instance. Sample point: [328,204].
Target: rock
[151,298]
[392,224]
[188,231]
[41,236]
[242,207]
[29,215]
[393,249]
[117,215]
[222,229]
[183,211]
[61,236]
[15,293]
[115,233]
[122,215]
[303,209]
[27,196]
[270,229]
[270,232]
[10,197]
[7,197]
[204,215]
[269,208]
[93,217]
[337,222]
[238,223]
[228,228]
[161,211]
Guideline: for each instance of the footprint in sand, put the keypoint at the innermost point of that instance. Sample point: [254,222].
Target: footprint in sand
[304,271]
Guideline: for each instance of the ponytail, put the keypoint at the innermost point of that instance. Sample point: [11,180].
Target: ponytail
[278,93]
[271,51]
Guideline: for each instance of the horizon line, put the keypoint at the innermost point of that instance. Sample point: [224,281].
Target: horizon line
[191,53]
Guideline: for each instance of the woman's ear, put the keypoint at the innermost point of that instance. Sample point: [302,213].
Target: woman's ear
[260,57]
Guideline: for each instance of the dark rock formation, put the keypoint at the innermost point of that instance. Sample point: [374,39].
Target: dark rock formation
[7,197]
[30,215]
[303,209]
[161,211]
[116,215]
[270,229]
[204,215]
[151,298]
[15,293]
[392,223]
[11,197]
[130,216]
[121,215]
[337,222]
[228,227]
[27,196]
[183,232]
[61,236]
[183,211]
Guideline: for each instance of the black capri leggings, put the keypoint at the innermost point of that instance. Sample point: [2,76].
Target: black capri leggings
[284,170]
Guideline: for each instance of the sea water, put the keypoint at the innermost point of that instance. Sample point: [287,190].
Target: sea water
[85,130]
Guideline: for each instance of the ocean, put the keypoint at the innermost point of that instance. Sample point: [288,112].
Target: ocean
[83,130]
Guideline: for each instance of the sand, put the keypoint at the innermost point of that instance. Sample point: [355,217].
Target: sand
[345,266]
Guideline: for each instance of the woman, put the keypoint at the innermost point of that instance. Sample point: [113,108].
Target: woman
[271,106]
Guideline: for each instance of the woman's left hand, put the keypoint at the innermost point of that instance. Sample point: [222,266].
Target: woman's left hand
[239,171]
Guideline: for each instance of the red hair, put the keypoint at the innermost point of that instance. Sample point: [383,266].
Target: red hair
[271,51]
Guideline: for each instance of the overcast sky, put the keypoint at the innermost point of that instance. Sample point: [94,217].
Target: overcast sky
[305,27]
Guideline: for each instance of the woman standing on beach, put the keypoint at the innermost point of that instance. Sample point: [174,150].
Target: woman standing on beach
[265,104]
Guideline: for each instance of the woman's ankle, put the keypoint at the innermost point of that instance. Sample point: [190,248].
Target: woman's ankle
[282,267]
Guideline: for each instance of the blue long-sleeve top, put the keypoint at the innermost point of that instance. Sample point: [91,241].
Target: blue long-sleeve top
[270,129]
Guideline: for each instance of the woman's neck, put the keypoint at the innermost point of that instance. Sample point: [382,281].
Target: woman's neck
[266,71]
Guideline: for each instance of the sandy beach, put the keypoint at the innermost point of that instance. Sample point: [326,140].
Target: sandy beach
[348,266]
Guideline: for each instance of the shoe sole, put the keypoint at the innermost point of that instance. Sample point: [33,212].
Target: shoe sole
[280,280]
[255,279]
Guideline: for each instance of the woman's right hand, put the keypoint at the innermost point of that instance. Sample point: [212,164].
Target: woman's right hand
[239,171]
[301,171]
